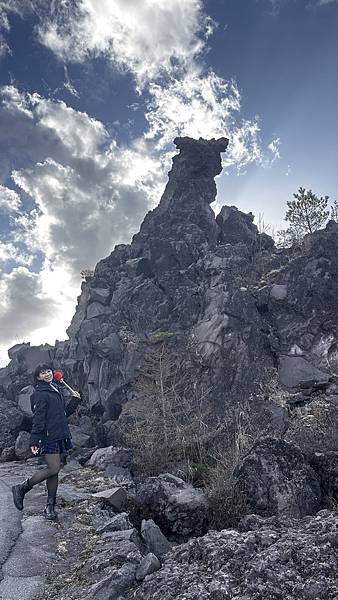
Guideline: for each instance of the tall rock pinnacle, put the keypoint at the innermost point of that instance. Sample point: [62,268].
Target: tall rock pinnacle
[189,192]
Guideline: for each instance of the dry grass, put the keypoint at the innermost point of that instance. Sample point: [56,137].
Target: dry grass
[171,425]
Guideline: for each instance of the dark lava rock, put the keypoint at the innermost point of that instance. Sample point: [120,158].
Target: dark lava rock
[276,479]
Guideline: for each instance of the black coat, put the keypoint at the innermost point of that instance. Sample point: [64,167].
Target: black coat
[50,413]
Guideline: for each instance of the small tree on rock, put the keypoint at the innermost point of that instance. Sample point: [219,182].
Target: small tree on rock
[334,211]
[307,212]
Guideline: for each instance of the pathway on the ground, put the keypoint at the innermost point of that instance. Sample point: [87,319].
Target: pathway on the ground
[27,540]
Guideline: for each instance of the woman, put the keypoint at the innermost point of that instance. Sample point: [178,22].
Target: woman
[50,435]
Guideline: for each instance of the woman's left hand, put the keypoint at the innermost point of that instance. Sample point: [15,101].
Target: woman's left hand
[76,394]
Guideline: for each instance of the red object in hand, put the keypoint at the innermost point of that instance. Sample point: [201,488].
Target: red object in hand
[59,377]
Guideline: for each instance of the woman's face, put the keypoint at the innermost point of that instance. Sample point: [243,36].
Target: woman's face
[46,375]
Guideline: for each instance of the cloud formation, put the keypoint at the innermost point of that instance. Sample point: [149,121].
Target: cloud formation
[148,38]
[88,195]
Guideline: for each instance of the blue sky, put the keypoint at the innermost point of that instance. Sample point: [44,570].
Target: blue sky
[93,93]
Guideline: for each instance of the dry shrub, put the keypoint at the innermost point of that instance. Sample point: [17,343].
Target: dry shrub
[173,427]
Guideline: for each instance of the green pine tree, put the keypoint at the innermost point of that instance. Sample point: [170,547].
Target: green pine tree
[334,211]
[307,212]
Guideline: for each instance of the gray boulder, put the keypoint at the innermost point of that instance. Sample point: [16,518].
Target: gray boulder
[97,294]
[275,478]
[149,564]
[79,438]
[119,475]
[114,585]
[118,523]
[24,402]
[116,456]
[22,445]
[295,372]
[8,454]
[238,227]
[180,510]
[115,497]
[279,291]
[109,346]
[154,539]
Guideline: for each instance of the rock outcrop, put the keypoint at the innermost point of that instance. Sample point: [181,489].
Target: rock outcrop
[260,322]
[180,510]
[268,558]
[255,328]
[277,479]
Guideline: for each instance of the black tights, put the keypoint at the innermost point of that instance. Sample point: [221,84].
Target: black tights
[54,463]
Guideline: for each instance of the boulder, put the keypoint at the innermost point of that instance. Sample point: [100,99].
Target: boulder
[8,454]
[117,547]
[295,371]
[120,475]
[139,266]
[279,291]
[115,497]
[109,346]
[154,539]
[236,226]
[149,564]
[79,438]
[17,348]
[97,294]
[22,445]
[118,523]
[180,510]
[116,456]
[24,402]
[86,425]
[95,309]
[276,479]
[113,585]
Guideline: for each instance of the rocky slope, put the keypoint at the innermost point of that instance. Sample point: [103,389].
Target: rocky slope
[262,322]
[253,327]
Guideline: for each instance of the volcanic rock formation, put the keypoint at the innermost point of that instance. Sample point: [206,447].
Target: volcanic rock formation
[262,321]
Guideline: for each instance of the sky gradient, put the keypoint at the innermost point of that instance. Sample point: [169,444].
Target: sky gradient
[92,94]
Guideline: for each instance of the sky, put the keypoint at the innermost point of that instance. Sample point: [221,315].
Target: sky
[92,94]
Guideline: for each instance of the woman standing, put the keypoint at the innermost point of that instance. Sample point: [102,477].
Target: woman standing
[50,435]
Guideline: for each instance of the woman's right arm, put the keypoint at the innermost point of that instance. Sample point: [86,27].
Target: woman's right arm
[39,419]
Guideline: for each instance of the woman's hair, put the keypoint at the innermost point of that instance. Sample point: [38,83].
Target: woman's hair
[40,368]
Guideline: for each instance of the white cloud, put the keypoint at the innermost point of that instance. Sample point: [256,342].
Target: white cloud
[148,38]
[274,146]
[9,251]
[68,84]
[9,199]
[88,196]
[205,105]
[26,306]
[196,105]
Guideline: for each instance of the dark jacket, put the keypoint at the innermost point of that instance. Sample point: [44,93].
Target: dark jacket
[50,413]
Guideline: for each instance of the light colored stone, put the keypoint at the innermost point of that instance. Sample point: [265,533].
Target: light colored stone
[149,564]
[279,292]
[116,497]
